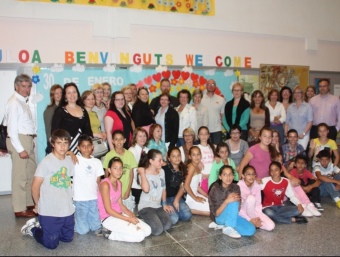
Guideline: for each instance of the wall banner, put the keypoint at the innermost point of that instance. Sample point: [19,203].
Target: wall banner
[200,7]
[185,78]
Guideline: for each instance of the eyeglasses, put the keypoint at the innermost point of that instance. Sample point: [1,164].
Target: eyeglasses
[211,84]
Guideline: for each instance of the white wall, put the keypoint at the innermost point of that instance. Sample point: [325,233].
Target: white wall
[303,32]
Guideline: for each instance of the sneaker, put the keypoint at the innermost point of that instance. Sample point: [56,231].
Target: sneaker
[319,207]
[306,212]
[338,204]
[104,232]
[215,226]
[300,220]
[229,231]
[26,229]
[313,210]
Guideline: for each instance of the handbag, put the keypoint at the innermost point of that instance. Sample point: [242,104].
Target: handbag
[3,136]
[100,147]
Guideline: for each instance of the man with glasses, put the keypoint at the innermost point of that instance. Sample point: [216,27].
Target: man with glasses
[326,108]
[215,105]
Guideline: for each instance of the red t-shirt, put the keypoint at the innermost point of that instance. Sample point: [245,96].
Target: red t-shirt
[304,176]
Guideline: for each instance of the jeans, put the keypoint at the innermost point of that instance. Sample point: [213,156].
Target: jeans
[314,194]
[328,189]
[86,216]
[157,219]
[53,230]
[184,212]
[281,213]
[231,218]
[216,137]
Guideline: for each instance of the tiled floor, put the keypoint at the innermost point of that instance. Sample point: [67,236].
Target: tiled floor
[321,236]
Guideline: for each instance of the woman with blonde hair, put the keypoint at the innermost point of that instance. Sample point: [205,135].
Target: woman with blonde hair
[189,138]
[107,94]
[237,111]
[299,117]
[127,92]
[99,107]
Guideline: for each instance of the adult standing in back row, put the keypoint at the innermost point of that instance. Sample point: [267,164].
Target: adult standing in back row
[165,88]
[215,105]
[237,112]
[326,109]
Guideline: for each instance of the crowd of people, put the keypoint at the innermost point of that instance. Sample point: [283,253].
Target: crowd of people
[166,159]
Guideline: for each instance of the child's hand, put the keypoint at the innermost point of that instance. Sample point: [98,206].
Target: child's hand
[168,208]
[294,181]
[233,197]
[300,208]
[176,205]
[217,160]
[256,222]
[200,199]
[133,220]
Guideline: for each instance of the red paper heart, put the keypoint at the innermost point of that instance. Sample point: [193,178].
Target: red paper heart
[148,80]
[140,84]
[157,76]
[176,74]
[202,80]
[194,77]
[166,74]
[185,75]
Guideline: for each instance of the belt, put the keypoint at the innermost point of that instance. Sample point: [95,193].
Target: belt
[28,135]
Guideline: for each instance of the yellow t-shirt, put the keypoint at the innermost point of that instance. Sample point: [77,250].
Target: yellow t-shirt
[318,147]
[94,122]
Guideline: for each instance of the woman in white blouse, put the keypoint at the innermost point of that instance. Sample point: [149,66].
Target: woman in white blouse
[187,114]
[201,111]
[277,113]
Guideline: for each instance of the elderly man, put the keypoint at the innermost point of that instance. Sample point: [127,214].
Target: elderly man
[21,132]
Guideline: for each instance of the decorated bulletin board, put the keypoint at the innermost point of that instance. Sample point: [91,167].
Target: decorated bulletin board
[200,7]
[273,76]
[85,77]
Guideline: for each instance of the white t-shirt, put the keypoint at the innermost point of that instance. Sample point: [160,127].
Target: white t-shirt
[207,158]
[136,151]
[86,173]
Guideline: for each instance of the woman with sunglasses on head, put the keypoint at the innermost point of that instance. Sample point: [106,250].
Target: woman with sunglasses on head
[117,118]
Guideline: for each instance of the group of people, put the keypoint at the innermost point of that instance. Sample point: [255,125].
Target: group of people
[166,160]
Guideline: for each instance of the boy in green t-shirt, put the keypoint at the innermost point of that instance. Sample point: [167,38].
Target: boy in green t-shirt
[129,162]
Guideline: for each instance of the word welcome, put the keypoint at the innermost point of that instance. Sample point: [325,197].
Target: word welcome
[70,57]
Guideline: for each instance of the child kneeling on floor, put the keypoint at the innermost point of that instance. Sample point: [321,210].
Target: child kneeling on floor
[52,195]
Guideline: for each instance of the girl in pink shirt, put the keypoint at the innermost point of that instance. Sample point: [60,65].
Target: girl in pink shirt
[251,206]
[119,223]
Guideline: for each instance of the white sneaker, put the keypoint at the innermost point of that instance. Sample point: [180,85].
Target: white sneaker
[313,210]
[319,207]
[215,226]
[229,231]
[26,229]
[306,212]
